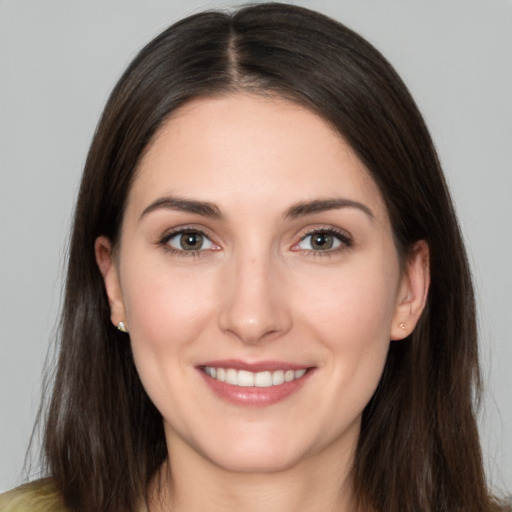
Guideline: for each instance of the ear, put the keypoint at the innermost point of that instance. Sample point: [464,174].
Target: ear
[109,271]
[413,291]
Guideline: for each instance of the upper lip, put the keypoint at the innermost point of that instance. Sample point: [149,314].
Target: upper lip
[259,366]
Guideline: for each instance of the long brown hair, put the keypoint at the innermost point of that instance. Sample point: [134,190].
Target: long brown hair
[419,448]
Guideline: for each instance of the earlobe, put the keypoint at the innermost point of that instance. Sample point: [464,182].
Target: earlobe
[108,268]
[412,296]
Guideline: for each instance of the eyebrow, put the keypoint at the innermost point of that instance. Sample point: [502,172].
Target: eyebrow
[206,209]
[202,208]
[321,205]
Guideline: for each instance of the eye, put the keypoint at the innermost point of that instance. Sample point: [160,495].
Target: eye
[189,241]
[322,240]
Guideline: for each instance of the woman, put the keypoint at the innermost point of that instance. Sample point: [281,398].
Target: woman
[264,219]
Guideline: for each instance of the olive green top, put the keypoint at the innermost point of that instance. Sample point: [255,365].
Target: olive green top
[39,496]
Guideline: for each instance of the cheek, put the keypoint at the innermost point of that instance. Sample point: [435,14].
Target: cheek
[166,312]
[357,302]
[351,319]
[351,316]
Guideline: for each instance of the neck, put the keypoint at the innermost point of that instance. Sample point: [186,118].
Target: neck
[190,482]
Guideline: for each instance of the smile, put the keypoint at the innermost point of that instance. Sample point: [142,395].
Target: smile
[245,378]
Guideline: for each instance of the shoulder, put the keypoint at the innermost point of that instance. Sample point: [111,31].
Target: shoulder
[39,496]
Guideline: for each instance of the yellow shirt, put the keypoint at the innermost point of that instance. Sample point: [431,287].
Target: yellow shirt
[39,496]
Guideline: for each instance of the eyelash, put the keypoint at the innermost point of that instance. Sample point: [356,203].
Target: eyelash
[341,236]
[164,242]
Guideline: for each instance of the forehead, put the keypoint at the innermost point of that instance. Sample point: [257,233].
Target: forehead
[250,149]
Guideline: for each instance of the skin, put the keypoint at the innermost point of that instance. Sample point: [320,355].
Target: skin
[255,291]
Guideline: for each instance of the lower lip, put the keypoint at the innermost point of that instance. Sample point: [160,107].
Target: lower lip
[253,396]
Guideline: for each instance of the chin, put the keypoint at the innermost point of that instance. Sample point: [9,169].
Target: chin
[262,460]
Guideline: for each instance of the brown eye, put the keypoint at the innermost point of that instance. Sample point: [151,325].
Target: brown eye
[190,241]
[322,241]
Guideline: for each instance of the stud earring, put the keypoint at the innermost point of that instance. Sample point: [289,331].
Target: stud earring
[402,325]
[121,327]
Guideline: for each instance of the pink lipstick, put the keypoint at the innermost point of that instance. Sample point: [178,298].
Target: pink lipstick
[254,384]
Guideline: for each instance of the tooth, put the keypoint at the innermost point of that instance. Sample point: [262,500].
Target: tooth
[245,378]
[277,377]
[231,377]
[263,380]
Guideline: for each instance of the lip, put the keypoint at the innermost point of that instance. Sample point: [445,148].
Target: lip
[254,396]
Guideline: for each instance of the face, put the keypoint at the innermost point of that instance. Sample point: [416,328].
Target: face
[258,279]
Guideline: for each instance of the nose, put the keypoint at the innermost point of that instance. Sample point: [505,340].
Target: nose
[254,306]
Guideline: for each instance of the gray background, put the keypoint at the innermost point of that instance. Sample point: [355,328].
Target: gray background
[60,58]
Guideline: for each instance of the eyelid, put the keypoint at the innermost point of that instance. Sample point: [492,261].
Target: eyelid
[177,231]
[344,238]
[341,235]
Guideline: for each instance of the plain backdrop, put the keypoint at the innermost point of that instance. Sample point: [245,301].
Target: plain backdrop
[60,58]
